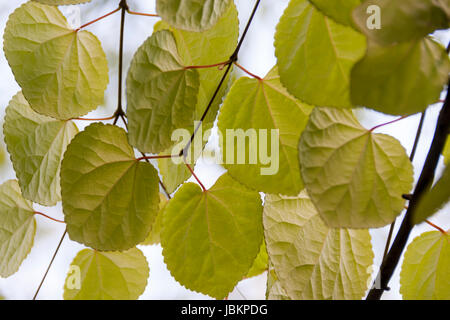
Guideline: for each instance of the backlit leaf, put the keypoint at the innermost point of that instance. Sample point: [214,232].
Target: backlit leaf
[274,290]
[258,108]
[210,239]
[161,93]
[446,152]
[154,237]
[107,275]
[432,201]
[339,10]
[110,200]
[315,52]
[425,269]
[261,262]
[63,73]
[355,178]
[401,79]
[199,49]
[61,2]
[192,15]
[400,20]
[311,260]
[36,144]
[17,228]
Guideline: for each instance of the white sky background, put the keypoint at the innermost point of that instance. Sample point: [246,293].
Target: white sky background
[257,55]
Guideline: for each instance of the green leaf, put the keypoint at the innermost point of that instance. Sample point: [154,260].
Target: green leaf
[421,71]
[62,2]
[63,73]
[154,237]
[257,107]
[316,52]
[210,239]
[424,274]
[162,93]
[107,275]
[339,10]
[274,290]
[260,264]
[400,20]
[17,228]
[198,49]
[110,200]
[446,152]
[36,144]
[311,260]
[192,15]
[355,178]
[435,199]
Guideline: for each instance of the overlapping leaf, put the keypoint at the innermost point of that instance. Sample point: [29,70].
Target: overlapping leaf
[355,178]
[401,20]
[400,79]
[260,109]
[339,10]
[36,144]
[192,15]
[446,152]
[17,228]
[107,275]
[110,200]
[315,52]
[425,268]
[261,262]
[434,199]
[311,260]
[162,93]
[199,49]
[154,237]
[62,2]
[274,290]
[63,73]
[210,239]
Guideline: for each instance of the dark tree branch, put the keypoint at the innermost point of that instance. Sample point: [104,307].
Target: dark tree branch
[425,181]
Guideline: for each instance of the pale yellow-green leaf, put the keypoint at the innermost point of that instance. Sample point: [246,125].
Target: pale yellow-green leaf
[425,270]
[338,10]
[107,275]
[36,144]
[154,237]
[446,152]
[400,79]
[210,239]
[356,178]
[432,201]
[400,20]
[110,200]
[311,260]
[62,2]
[315,55]
[62,73]
[192,15]
[202,48]
[161,92]
[267,123]
[17,228]
[274,290]
[261,262]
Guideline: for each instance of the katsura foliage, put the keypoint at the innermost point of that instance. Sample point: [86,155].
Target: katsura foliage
[305,181]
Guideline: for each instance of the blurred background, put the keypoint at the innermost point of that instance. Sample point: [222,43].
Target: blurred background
[257,55]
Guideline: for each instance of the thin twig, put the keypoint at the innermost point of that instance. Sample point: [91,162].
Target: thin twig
[221,65]
[169,156]
[50,265]
[98,19]
[119,112]
[390,122]
[142,14]
[195,176]
[436,227]
[247,72]
[95,119]
[48,217]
